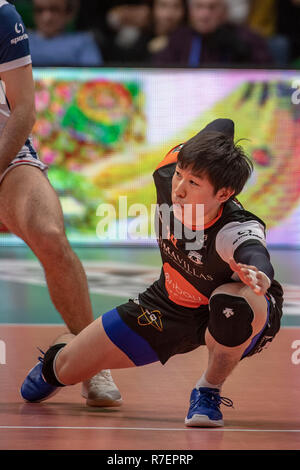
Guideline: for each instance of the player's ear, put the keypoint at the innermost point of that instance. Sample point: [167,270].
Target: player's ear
[224,194]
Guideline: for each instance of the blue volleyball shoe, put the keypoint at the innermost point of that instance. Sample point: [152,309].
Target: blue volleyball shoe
[204,408]
[34,388]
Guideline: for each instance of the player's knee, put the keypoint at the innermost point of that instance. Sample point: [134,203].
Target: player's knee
[230,319]
[50,241]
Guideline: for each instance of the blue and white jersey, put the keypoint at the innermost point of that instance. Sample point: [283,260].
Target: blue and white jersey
[14,53]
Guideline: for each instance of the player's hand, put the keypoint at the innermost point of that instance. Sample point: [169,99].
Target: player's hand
[251,276]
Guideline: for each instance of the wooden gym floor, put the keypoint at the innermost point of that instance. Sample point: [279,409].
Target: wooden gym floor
[265,388]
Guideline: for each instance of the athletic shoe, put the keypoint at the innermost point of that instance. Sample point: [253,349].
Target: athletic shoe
[101,390]
[204,408]
[34,388]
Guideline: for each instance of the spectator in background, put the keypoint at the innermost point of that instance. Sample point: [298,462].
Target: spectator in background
[127,32]
[263,17]
[167,16]
[210,39]
[52,45]
[238,10]
[142,30]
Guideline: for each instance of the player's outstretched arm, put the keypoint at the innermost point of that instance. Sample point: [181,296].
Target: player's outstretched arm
[251,276]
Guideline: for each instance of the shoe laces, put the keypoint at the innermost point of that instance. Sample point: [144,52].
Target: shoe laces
[102,376]
[41,358]
[212,399]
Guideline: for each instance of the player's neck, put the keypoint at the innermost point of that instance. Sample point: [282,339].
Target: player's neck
[212,216]
[209,218]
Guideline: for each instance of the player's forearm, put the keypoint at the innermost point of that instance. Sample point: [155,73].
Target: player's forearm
[255,255]
[15,133]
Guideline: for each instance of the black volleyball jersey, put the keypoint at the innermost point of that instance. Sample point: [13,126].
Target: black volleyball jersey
[195,263]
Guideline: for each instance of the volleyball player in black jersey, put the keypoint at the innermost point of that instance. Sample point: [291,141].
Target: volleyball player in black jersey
[216,287]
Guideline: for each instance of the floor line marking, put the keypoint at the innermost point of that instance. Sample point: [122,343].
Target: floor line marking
[105,428]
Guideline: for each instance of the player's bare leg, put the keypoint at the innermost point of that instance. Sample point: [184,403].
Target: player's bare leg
[222,359]
[73,359]
[225,348]
[30,208]
[87,353]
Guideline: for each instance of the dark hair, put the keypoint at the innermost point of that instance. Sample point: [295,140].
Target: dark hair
[152,3]
[71,6]
[216,156]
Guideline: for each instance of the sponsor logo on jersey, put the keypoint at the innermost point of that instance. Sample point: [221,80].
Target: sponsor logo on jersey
[152,318]
[180,291]
[247,233]
[195,256]
[183,261]
[19,29]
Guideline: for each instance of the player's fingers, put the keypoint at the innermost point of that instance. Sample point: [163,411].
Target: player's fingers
[258,290]
[234,265]
[261,285]
[261,276]
[254,268]
[249,266]
[263,279]
[250,277]
[248,273]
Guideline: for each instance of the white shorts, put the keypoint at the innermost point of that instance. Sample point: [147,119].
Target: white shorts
[25,160]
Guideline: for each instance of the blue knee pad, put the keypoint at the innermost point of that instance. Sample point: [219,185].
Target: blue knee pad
[230,319]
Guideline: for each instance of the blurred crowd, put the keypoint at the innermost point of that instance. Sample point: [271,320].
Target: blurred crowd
[163,33]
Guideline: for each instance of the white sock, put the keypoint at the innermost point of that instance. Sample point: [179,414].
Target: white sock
[202,382]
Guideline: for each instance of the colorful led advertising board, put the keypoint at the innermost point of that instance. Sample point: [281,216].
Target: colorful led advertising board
[102,132]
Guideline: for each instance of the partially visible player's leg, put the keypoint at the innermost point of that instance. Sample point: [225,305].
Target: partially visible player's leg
[105,343]
[87,353]
[237,316]
[30,208]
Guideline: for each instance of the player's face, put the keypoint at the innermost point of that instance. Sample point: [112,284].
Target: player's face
[193,196]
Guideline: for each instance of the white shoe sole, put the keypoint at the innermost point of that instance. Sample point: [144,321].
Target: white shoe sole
[103,402]
[203,421]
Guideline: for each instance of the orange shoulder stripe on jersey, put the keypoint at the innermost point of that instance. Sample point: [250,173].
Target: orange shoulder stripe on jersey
[171,157]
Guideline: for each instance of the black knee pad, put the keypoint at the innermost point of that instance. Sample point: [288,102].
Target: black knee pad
[48,369]
[230,319]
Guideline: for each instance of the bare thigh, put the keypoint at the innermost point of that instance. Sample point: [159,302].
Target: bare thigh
[28,203]
[88,353]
